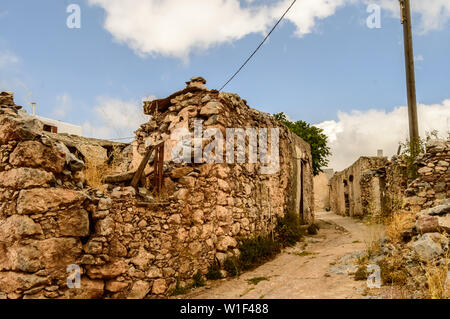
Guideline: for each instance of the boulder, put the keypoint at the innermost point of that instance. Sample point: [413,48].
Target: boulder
[37,155]
[41,200]
[74,163]
[428,246]
[22,258]
[18,129]
[23,177]
[58,253]
[17,227]
[13,281]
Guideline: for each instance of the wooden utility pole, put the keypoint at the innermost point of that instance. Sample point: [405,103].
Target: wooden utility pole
[405,9]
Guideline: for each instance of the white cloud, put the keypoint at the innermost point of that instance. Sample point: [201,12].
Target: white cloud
[7,58]
[434,14]
[176,28]
[362,133]
[115,119]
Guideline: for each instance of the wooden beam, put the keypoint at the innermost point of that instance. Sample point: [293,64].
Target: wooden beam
[141,168]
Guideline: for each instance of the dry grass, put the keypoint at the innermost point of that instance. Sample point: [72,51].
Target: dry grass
[95,169]
[398,223]
[437,280]
[372,239]
[94,172]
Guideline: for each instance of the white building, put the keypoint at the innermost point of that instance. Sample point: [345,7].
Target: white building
[55,126]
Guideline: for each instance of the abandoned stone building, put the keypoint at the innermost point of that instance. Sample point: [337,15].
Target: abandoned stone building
[377,186]
[133,219]
[359,190]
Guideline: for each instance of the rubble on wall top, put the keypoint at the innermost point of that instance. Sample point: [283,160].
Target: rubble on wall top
[161,105]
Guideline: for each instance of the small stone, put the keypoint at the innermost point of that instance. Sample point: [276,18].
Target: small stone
[180,172]
[159,287]
[139,290]
[115,286]
[211,108]
[104,203]
[427,224]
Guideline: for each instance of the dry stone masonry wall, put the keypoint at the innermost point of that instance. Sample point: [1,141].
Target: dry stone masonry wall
[377,186]
[135,242]
[433,184]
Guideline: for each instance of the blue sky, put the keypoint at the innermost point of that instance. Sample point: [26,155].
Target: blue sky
[337,65]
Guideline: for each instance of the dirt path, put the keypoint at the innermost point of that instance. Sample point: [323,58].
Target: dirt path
[293,275]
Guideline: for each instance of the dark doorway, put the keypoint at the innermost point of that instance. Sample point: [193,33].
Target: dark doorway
[347,204]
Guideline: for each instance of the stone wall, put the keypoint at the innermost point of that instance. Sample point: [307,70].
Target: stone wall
[356,190]
[322,190]
[127,242]
[381,187]
[433,184]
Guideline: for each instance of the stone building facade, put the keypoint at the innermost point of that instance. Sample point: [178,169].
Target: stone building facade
[138,242]
[377,186]
[358,190]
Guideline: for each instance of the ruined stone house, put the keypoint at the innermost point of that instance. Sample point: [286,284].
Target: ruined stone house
[359,190]
[67,207]
[377,186]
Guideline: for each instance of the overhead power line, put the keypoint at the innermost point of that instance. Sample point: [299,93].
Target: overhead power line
[259,46]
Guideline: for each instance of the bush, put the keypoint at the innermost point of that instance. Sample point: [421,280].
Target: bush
[256,251]
[313,229]
[179,289]
[361,273]
[214,271]
[288,229]
[232,266]
[198,279]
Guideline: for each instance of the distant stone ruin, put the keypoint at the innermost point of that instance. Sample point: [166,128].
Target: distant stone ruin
[377,186]
[72,226]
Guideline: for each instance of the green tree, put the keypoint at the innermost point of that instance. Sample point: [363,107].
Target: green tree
[312,135]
